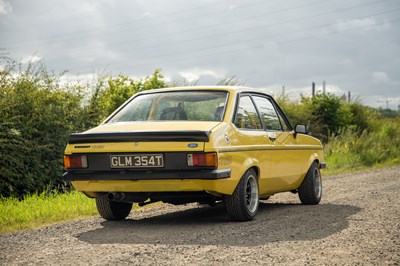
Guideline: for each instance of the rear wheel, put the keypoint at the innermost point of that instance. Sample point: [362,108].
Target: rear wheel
[310,190]
[112,210]
[242,205]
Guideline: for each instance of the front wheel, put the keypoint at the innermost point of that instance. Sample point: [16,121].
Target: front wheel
[310,190]
[242,205]
[112,210]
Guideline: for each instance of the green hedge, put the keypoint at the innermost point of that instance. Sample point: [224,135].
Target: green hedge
[37,113]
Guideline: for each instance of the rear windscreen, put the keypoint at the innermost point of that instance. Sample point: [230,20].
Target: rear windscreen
[177,105]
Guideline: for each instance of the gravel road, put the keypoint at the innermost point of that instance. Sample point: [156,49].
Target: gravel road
[357,222]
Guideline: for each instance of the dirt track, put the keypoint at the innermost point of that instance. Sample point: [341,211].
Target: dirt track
[357,222]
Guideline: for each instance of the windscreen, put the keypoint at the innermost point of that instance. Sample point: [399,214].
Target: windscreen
[172,106]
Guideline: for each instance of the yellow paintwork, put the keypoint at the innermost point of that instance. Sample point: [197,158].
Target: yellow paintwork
[281,164]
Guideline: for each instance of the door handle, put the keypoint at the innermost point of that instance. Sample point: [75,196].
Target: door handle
[272,136]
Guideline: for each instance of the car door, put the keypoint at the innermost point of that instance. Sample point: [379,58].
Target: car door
[285,159]
[250,138]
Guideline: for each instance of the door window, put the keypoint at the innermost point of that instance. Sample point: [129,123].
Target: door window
[268,113]
[285,125]
[246,115]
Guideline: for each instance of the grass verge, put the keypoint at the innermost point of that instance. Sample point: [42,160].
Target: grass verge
[43,209]
[350,151]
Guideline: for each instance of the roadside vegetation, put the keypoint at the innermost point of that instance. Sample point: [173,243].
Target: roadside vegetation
[47,208]
[378,146]
[355,137]
[38,110]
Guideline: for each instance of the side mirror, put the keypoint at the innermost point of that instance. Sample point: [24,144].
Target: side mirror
[302,129]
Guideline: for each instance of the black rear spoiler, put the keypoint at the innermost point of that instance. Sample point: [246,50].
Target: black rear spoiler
[139,136]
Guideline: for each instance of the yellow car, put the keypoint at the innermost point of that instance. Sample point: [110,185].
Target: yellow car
[195,144]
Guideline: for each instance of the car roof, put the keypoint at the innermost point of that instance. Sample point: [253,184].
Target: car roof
[234,89]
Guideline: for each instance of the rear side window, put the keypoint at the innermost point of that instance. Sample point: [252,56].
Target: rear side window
[268,113]
[246,115]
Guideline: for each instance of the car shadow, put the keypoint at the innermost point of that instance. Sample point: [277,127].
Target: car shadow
[275,222]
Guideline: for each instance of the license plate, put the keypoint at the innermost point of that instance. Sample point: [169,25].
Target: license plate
[137,161]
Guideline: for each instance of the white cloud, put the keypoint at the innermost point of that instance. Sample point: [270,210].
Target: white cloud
[77,79]
[189,76]
[31,59]
[196,74]
[107,38]
[167,79]
[88,7]
[329,88]
[5,7]
[380,77]
[343,25]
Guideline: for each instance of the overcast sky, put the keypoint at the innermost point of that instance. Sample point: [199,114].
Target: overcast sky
[352,45]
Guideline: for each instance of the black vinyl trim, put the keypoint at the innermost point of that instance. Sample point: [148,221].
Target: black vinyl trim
[147,175]
[322,165]
[139,136]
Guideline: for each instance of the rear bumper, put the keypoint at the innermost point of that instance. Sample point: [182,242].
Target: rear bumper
[147,175]
[322,165]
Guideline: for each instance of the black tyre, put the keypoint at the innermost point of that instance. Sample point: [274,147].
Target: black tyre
[112,210]
[242,205]
[310,190]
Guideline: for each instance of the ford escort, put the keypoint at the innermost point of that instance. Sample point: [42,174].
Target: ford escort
[228,145]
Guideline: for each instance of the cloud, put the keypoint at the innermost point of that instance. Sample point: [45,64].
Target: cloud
[189,76]
[380,77]
[205,42]
[197,74]
[31,59]
[343,25]
[5,7]
[88,7]
[72,79]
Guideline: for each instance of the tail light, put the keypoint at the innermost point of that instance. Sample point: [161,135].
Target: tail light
[202,159]
[75,161]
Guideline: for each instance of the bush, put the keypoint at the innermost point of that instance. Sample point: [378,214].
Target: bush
[36,115]
[328,114]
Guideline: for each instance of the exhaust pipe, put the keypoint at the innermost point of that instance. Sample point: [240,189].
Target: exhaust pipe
[116,196]
[127,197]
